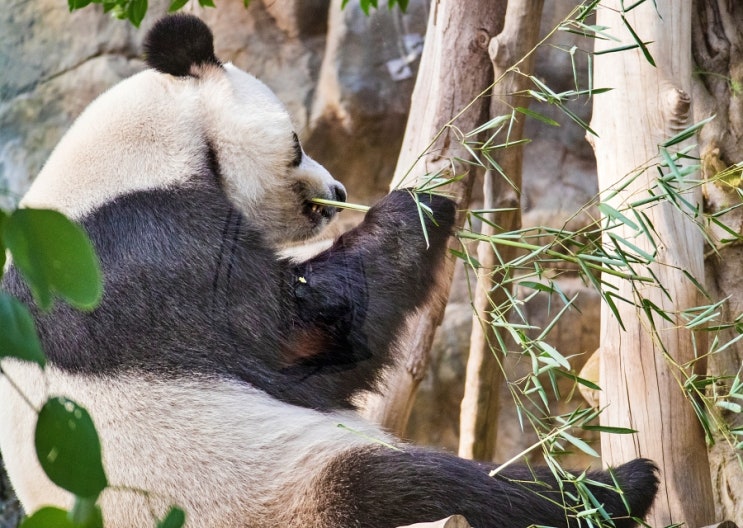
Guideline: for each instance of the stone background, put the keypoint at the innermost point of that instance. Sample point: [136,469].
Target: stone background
[330,67]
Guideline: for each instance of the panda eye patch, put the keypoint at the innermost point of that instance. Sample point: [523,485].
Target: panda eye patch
[297,159]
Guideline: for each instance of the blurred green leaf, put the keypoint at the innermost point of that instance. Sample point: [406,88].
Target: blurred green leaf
[55,257]
[175,518]
[77,4]
[86,513]
[18,337]
[3,219]
[68,448]
[136,11]
[48,517]
[176,5]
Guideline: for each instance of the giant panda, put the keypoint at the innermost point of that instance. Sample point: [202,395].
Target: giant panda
[217,368]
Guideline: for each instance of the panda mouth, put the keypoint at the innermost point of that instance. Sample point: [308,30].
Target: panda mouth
[317,213]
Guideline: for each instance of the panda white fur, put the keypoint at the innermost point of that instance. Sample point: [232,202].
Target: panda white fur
[216,372]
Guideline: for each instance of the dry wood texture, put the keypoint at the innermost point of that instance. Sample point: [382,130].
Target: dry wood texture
[649,104]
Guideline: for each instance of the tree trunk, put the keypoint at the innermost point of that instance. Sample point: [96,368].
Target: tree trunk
[479,416]
[640,390]
[718,53]
[454,70]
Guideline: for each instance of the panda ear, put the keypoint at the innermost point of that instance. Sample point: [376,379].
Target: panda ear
[176,43]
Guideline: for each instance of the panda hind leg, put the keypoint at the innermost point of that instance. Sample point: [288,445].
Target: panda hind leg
[378,487]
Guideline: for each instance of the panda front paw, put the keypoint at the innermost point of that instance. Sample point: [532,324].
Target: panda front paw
[407,212]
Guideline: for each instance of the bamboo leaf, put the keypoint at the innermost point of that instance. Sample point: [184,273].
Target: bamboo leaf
[640,43]
[536,115]
[608,429]
[579,380]
[580,444]
[608,211]
[685,134]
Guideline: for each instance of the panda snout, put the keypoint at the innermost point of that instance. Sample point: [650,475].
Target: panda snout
[339,192]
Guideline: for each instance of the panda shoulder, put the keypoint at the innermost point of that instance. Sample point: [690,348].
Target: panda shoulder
[178,44]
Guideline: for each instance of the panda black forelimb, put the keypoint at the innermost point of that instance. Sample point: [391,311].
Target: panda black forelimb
[352,299]
[416,484]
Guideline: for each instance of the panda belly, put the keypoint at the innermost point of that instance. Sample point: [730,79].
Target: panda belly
[225,452]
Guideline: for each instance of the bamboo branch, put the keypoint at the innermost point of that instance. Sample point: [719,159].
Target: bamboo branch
[479,414]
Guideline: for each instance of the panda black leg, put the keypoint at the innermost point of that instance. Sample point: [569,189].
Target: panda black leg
[352,300]
[377,487]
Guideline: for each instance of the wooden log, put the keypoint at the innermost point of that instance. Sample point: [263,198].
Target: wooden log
[639,388]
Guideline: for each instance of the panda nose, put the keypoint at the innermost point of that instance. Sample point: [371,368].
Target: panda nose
[339,192]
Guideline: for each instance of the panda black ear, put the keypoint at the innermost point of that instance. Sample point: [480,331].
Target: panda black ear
[178,42]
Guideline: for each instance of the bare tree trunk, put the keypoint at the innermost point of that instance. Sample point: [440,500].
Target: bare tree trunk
[454,70]
[718,53]
[479,414]
[640,390]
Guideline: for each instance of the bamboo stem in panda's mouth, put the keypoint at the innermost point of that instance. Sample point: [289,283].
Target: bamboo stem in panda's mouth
[340,205]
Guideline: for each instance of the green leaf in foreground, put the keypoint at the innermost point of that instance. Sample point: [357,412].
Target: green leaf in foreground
[48,517]
[3,219]
[77,4]
[176,5]
[68,448]
[55,257]
[175,518]
[18,337]
[52,517]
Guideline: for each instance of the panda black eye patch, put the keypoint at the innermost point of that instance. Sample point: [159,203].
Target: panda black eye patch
[297,159]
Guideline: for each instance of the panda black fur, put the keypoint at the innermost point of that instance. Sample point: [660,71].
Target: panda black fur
[217,372]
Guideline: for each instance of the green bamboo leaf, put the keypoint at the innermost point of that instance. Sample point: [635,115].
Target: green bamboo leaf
[608,211]
[55,256]
[578,379]
[688,132]
[496,122]
[580,444]
[536,115]
[647,257]
[552,353]
[68,448]
[608,429]
[587,10]
[18,337]
[729,406]
[643,47]
[467,258]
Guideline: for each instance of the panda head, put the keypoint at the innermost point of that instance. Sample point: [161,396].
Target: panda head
[186,119]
